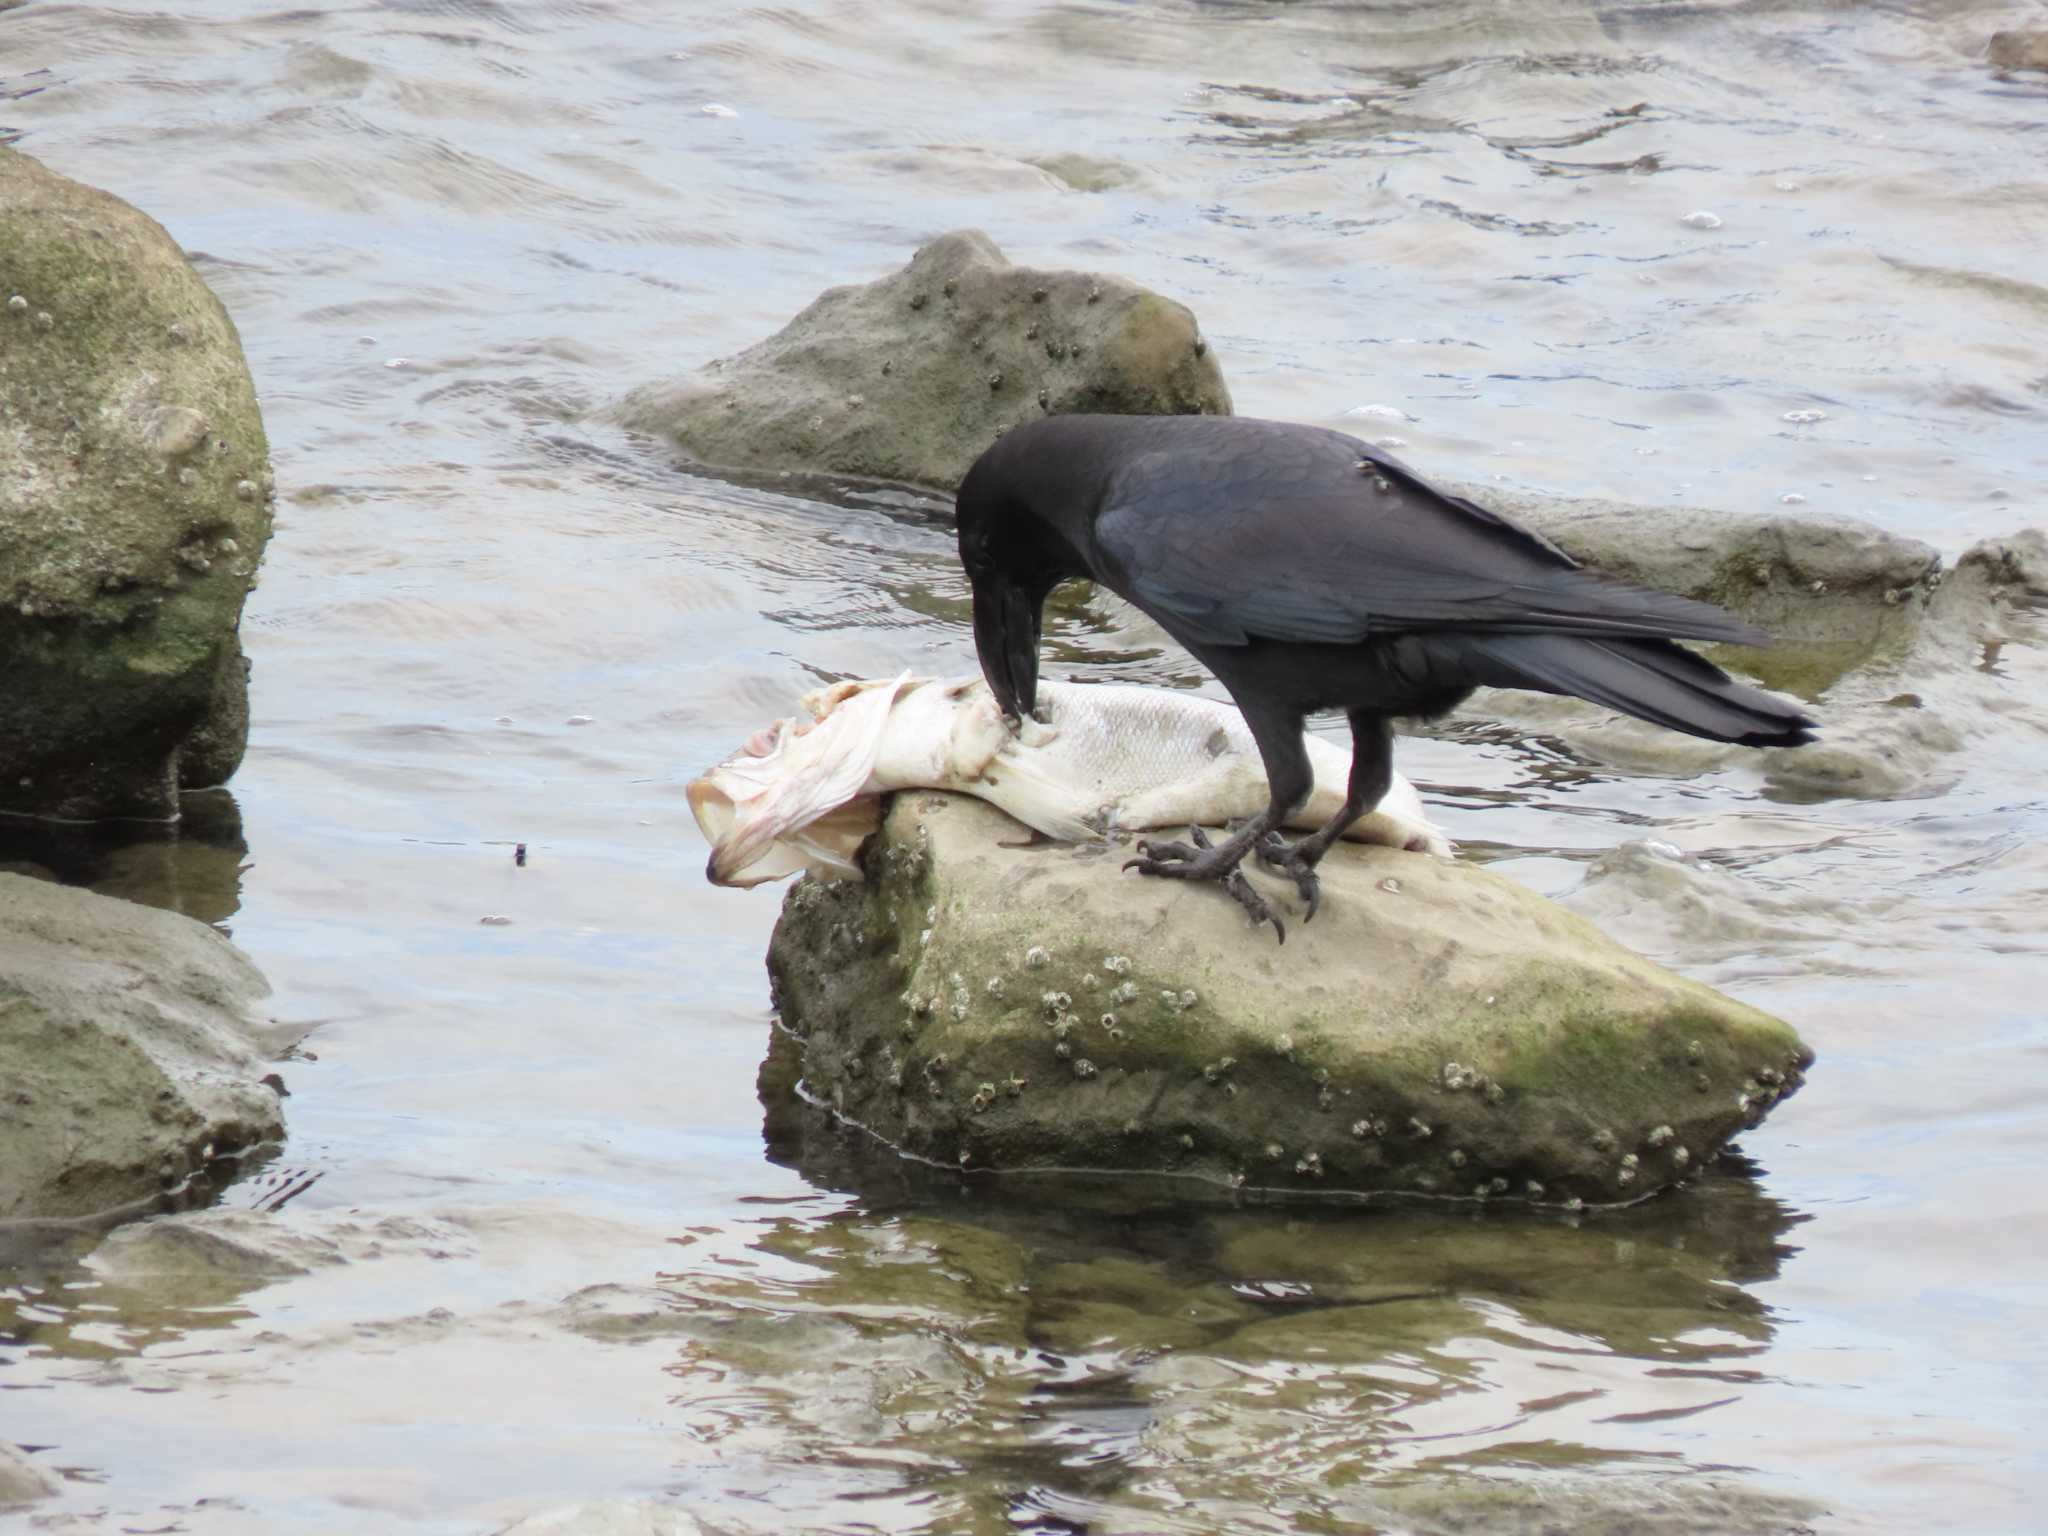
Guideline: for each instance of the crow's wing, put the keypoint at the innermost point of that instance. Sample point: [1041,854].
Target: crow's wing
[1304,535]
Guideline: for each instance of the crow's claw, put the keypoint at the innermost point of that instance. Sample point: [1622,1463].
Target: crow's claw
[1278,854]
[1200,859]
[1174,860]
[1260,909]
[1195,859]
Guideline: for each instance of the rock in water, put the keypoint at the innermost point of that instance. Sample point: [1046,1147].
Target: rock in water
[911,377]
[621,1517]
[127,1061]
[2021,48]
[991,1002]
[22,1481]
[134,482]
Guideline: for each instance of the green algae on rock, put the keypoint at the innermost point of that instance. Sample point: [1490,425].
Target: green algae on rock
[910,377]
[134,507]
[128,1063]
[987,1001]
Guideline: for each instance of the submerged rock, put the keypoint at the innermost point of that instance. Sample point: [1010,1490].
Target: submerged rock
[208,1257]
[1666,902]
[912,376]
[134,481]
[1895,726]
[2019,48]
[985,1001]
[201,1261]
[129,1065]
[612,1517]
[1587,1505]
[23,1481]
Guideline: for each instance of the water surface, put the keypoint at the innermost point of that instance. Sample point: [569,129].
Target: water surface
[548,1254]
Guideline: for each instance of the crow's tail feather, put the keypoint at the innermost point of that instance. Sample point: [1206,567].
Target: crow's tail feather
[1653,680]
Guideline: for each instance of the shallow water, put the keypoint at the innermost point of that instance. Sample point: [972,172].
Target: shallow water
[551,1256]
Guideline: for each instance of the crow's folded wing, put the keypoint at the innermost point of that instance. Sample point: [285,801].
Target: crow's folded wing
[1301,535]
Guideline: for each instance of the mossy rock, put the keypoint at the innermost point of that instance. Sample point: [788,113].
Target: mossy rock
[134,507]
[910,377]
[988,1000]
[129,1063]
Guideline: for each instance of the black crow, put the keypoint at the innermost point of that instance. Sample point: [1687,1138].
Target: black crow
[1309,571]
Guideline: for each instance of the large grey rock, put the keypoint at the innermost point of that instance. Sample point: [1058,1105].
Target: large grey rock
[124,1059]
[985,1001]
[133,508]
[911,377]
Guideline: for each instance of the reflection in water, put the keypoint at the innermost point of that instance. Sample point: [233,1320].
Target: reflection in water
[1118,1355]
[193,865]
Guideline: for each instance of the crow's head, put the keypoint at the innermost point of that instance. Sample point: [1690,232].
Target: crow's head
[1008,608]
[1006,633]
[1012,515]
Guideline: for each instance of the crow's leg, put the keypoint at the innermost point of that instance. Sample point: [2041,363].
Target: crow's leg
[1278,733]
[1372,772]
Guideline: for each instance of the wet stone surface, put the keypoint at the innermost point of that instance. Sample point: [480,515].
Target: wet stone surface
[129,1067]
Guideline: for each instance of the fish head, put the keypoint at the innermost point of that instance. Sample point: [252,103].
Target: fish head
[796,795]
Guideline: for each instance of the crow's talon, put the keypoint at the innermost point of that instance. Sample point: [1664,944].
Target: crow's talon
[1277,854]
[1175,860]
[1255,904]
[1201,859]
[1193,860]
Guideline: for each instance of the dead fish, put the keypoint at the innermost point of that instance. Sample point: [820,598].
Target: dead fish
[1099,760]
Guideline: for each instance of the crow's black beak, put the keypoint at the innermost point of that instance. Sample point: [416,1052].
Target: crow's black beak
[1006,626]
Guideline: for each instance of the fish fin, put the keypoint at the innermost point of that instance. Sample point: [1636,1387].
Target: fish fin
[1022,789]
[820,702]
[830,843]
